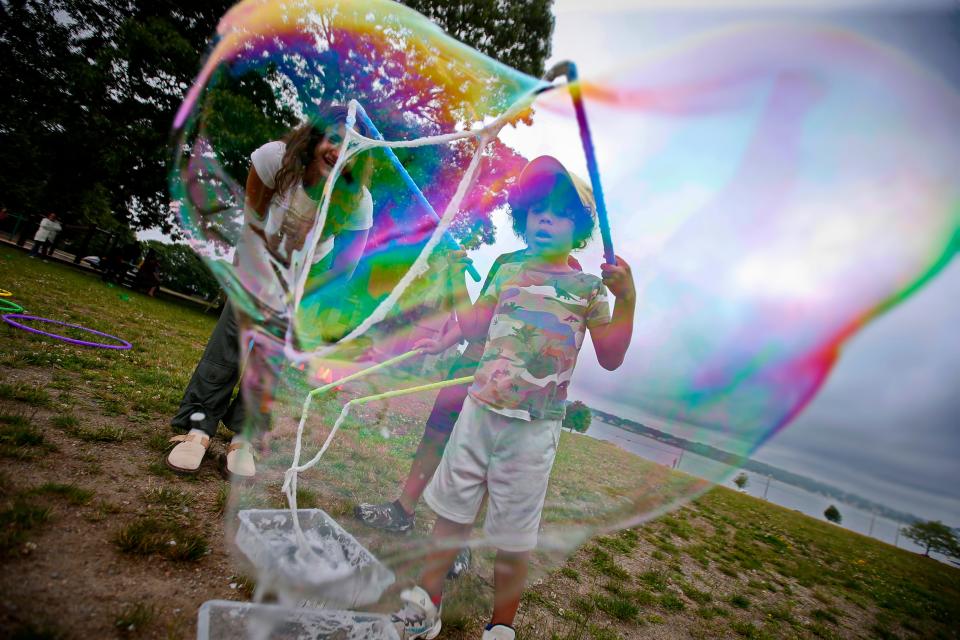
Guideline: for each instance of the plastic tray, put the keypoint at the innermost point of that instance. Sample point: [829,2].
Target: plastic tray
[339,572]
[227,620]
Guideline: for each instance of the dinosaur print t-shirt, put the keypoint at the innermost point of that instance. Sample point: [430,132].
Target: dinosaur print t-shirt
[539,322]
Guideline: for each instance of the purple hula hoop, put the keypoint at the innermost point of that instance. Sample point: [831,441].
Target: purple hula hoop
[11,319]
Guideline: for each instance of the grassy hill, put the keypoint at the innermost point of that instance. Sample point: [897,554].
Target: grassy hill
[98,539]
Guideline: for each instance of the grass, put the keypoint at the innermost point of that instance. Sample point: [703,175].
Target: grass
[695,595]
[604,564]
[134,618]
[160,536]
[160,442]
[161,470]
[725,565]
[101,511]
[244,584]
[573,574]
[66,422]
[73,494]
[20,439]
[16,521]
[168,497]
[670,602]
[103,435]
[618,607]
[31,395]
[653,579]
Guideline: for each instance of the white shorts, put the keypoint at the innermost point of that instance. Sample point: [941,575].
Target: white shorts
[508,458]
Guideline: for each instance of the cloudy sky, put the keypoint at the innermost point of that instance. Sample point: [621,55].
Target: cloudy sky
[886,424]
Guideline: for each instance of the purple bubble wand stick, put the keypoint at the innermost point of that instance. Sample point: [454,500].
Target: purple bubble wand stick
[569,70]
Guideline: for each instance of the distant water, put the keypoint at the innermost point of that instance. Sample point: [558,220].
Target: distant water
[760,486]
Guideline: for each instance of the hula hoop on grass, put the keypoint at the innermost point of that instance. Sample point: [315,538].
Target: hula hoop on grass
[9,306]
[4,293]
[11,319]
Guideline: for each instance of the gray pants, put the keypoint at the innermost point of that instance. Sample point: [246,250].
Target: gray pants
[211,386]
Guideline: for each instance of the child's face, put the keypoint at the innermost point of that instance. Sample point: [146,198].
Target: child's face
[548,233]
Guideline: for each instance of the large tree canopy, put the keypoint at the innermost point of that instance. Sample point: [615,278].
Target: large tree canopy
[92,86]
[91,89]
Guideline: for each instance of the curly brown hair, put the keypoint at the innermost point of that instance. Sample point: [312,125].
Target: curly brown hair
[301,143]
[562,197]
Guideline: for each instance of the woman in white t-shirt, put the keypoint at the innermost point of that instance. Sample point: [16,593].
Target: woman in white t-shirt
[283,192]
[284,188]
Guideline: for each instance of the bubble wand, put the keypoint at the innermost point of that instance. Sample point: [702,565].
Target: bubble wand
[290,477]
[408,181]
[569,70]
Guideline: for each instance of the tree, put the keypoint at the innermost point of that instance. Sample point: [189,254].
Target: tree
[515,33]
[181,269]
[578,417]
[933,535]
[833,514]
[91,89]
[741,481]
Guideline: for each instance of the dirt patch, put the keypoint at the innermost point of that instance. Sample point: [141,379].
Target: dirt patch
[69,575]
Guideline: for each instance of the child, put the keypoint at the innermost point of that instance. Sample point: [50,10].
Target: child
[535,315]
[398,516]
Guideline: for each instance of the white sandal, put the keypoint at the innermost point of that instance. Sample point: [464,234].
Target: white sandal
[238,463]
[185,458]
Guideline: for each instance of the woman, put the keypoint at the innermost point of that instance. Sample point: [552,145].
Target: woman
[283,192]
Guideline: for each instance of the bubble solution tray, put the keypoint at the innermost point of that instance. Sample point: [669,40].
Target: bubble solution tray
[338,572]
[227,620]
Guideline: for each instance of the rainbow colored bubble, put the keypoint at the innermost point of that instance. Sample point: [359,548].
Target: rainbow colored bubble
[774,187]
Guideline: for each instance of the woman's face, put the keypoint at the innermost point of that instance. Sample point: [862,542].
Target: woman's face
[327,151]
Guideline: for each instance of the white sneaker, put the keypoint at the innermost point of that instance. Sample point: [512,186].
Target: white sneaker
[188,454]
[499,632]
[418,618]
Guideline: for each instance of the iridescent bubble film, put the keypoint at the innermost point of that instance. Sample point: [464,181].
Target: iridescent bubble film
[774,187]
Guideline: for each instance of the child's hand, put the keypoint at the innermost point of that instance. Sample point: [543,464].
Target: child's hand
[428,346]
[458,260]
[619,280]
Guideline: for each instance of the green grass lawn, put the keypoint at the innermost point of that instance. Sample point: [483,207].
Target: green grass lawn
[99,539]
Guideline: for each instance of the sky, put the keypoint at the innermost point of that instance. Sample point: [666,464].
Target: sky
[886,424]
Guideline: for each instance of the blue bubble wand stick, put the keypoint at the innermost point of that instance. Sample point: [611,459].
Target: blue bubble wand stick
[408,181]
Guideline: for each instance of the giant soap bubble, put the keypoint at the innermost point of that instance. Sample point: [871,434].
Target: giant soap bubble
[774,188]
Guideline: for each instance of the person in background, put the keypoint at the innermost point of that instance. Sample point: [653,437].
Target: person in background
[45,235]
[148,275]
